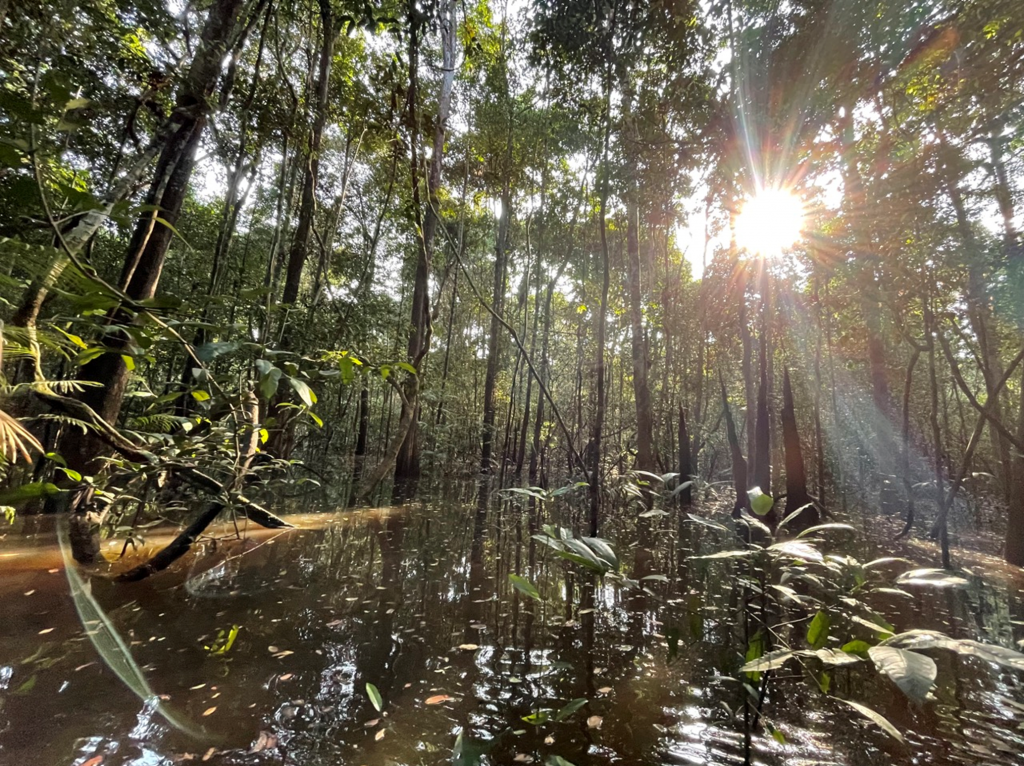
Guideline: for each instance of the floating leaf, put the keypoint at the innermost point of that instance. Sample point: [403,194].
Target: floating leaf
[469,647]
[437,699]
[594,722]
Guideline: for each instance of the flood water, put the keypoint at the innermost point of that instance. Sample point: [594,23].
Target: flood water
[417,601]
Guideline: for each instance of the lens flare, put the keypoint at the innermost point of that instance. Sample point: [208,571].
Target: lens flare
[769,222]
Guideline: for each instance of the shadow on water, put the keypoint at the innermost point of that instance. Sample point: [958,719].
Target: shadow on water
[417,601]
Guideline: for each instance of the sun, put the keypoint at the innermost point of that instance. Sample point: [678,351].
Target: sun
[769,222]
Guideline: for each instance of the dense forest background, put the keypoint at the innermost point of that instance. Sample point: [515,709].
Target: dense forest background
[272,250]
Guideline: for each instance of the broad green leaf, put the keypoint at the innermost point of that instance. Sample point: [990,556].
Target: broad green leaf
[914,673]
[33,491]
[571,708]
[760,503]
[304,391]
[524,586]
[200,396]
[856,647]
[603,550]
[817,631]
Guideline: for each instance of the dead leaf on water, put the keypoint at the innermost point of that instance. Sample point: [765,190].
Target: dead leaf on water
[371,723]
[44,631]
[209,711]
[469,647]
[265,741]
[379,735]
[287,677]
[437,699]
[285,653]
[523,758]
[594,722]
[605,690]
[549,739]
[96,760]
[209,753]
[273,649]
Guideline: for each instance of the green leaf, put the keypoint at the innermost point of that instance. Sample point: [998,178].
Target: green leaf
[32,491]
[914,673]
[537,718]
[200,396]
[769,661]
[760,503]
[89,354]
[876,718]
[270,380]
[817,631]
[571,708]
[375,699]
[856,647]
[524,586]
[603,550]
[304,391]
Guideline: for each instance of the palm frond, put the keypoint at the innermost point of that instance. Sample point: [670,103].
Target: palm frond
[15,440]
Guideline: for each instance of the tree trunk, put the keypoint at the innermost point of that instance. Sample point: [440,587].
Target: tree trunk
[641,390]
[1014,549]
[498,303]
[796,474]
[739,464]
[151,239]
[685,460]
[407,461]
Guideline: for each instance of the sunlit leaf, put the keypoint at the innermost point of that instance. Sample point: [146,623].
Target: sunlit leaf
[375,699]
[914,673]
[524,586]
[876,718]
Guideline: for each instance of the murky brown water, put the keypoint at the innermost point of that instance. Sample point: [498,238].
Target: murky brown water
[417,601]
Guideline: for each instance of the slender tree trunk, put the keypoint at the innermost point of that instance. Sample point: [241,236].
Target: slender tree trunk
[1013,551]
[407,461]
[494,336]
[641,389]
[797,496]
[602,322]
[685,460]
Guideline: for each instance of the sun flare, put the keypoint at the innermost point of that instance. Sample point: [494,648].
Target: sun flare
[769,222]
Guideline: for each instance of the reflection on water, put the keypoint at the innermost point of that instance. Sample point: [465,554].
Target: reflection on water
[417,601]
